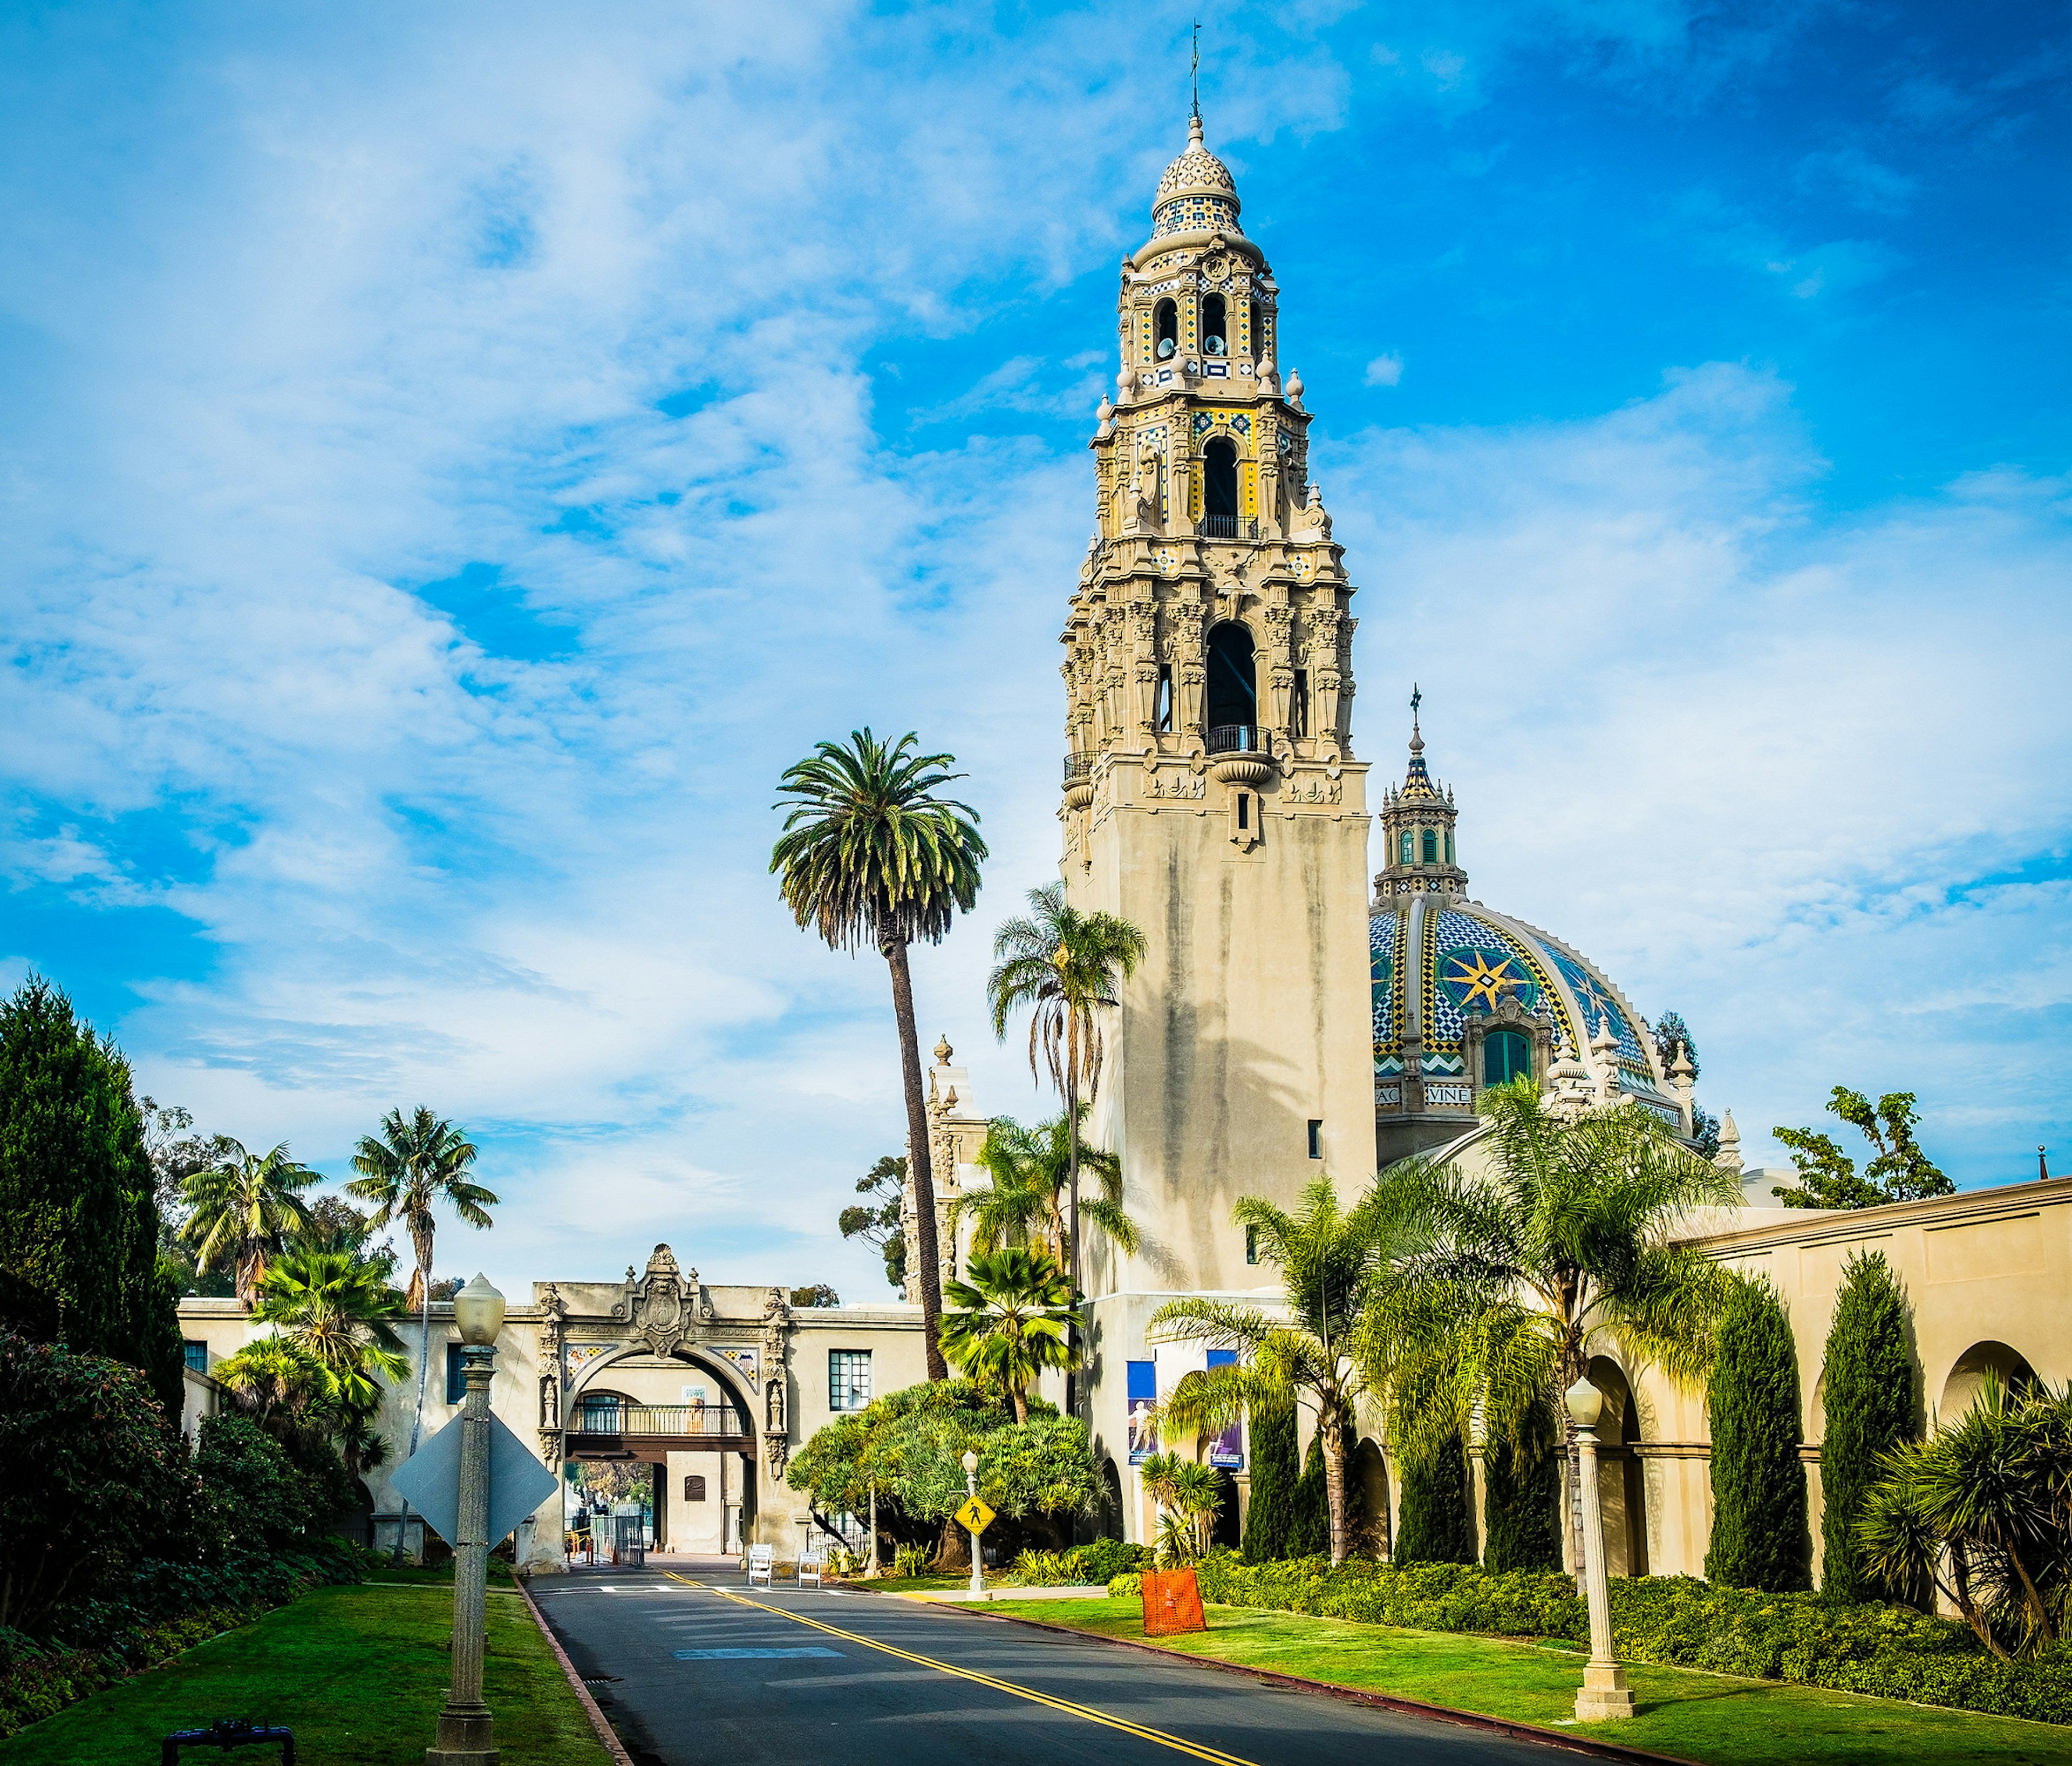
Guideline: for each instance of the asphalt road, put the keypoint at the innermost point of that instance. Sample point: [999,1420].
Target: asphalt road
[703,1672]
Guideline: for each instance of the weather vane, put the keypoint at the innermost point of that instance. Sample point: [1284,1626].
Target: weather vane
[1416,699]
[1197,70]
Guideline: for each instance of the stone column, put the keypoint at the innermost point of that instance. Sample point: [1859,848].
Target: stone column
[1604,1695]
[466,1734]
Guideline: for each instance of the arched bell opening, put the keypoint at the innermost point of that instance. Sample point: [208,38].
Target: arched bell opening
[1219,489]
[1233,688]
[1165,330]
[1215,337]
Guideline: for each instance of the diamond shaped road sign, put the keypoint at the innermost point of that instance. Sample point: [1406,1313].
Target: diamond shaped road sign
[974,1517]
[430,1481]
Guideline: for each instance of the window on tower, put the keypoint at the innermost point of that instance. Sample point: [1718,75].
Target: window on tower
[1162,712]
[1212,326]
[1506,1055]
[1431,845]
[1298,705]
[1219,489]
[1166,324]
[1406,858]
[1233,697]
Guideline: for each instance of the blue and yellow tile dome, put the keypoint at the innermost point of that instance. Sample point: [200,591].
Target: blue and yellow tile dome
[1197,193]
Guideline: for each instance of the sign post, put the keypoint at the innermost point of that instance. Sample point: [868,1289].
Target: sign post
[975,1517]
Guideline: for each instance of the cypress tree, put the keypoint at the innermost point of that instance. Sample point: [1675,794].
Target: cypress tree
[79,1219]
[1309,1513]
[1274,1474]
[1522,1517]
[1759,1537]
[1436,1525]
[1867,1385]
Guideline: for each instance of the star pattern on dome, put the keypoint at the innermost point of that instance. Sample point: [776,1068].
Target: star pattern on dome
[1478,980]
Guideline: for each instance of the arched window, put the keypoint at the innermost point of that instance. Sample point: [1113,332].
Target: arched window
[1506,1055]
[1167,326]
[1407,837]
[1233,694]
[1219,489]
[1212,326]
[1431,845]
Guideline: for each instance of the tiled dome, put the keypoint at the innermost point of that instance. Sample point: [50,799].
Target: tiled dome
[1197,192]
[1436,960]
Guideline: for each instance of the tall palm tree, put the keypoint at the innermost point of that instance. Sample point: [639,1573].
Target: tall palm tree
[242,1209]
[1334,1265]
[406,1171]
[1009,1321]
[1509,1282]
[341,1311]
[1066,966]
[870,855]
[1031,1169]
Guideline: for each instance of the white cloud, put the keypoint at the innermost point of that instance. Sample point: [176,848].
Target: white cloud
[1385,370]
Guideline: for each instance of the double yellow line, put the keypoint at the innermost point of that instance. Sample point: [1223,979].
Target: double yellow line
[1215,1756]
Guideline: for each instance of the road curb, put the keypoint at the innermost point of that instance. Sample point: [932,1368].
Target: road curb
[1409,1707]
[598,1721]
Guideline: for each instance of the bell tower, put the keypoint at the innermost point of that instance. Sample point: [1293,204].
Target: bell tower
[1211,793]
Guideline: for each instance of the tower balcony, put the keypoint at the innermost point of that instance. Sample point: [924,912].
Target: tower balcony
[1078,781]
[1239,754]
[1230,527]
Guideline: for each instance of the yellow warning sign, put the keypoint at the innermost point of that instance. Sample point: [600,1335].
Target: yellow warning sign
[974,1517]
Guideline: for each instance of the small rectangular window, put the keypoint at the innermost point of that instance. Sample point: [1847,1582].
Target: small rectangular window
[1244,809]
[456,1374]
[1163,721]
[1316,1138]
[849,1379]
[195,1355]
[1252,1244]
[1298,705]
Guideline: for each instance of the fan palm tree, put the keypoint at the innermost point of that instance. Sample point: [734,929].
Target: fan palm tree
[1009,1321]
[1188,1495]
[1031,1169]
[278,1379]
[405,1171]
[1509,1281]
[340,1311]
[870,855]
[1334,1265]
[243,1208]
[1065,966]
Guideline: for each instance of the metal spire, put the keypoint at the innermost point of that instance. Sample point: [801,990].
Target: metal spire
[1197,70]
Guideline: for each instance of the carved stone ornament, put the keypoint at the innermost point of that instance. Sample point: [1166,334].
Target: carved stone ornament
[663,1304]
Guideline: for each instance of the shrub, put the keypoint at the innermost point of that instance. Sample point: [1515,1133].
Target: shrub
[1758,1537]
[1130,1583]
[1522,1513]
[1105,1559]
[269,1505]
[1436,1525]
[1274,1476]
[1867,1410]
[1046,1569]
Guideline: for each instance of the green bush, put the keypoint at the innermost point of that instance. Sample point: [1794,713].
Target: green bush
[1274,1476]
[1866,1399]
[1105,1559]
[270,1504]
[1045,1568]
[1759,1537]
[1522,1513]
[1436,1524]
[1129,1584]
[1427,1596]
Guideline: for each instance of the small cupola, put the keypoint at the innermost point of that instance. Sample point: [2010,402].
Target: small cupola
[1417,830]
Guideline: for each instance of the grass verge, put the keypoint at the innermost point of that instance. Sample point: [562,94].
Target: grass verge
[1711,1717]
[358,1673]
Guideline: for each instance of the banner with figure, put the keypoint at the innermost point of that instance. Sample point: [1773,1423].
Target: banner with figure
[1143,1396]
[1227,1449]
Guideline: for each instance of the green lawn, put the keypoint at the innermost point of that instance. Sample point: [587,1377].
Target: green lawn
[358,1673]
[1701,1717]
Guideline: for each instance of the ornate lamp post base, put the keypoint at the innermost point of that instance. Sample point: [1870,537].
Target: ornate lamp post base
[1604,1695]
[466,1738]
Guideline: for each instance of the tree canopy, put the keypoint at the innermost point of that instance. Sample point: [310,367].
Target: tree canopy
[1827,1176]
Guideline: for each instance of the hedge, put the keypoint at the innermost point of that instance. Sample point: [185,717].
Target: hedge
[1676,1621]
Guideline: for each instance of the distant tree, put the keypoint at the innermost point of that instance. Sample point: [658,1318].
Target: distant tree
[277,1382]
[1671,1035]
[1758,1538]
[1827,1176]
[1868,1387]
[1522,1505]
[1008,1322]
[79,1221]
[1275,1472]
[819,1294]
[870,855]
[879,1222]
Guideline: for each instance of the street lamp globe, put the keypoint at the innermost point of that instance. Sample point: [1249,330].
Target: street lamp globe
[969,1461]
[1586,1403]
[478,1312]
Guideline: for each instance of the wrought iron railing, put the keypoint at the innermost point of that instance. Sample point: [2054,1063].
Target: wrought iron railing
[676,1419]
[1078,766]
[1229,527]
[1236,739]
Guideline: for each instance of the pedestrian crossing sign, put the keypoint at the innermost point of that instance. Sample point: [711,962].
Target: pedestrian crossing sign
[974,1517]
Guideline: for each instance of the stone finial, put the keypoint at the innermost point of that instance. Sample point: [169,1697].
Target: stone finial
[1604,1051]
[1728,1158]
[1294,387]
[1569,1080]
[943,1050]
[1125,384]
[949,1100]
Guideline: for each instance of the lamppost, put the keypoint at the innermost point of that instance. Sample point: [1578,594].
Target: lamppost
[970,1463]
[466,1735]
[1604,1695]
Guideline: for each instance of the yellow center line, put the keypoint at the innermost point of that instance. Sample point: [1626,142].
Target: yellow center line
[1214,1755]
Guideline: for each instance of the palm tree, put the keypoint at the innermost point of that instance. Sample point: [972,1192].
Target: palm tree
[243,1208]
[405,1171]
[1066,966]
[1334,1267]
[340,1311]
[278,1379]
[869,855]
[1031,1169]
[1011,1321]
[1508,1281]
[1188,1495]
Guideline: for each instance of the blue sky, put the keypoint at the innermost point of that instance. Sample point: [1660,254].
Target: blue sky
[453,460]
